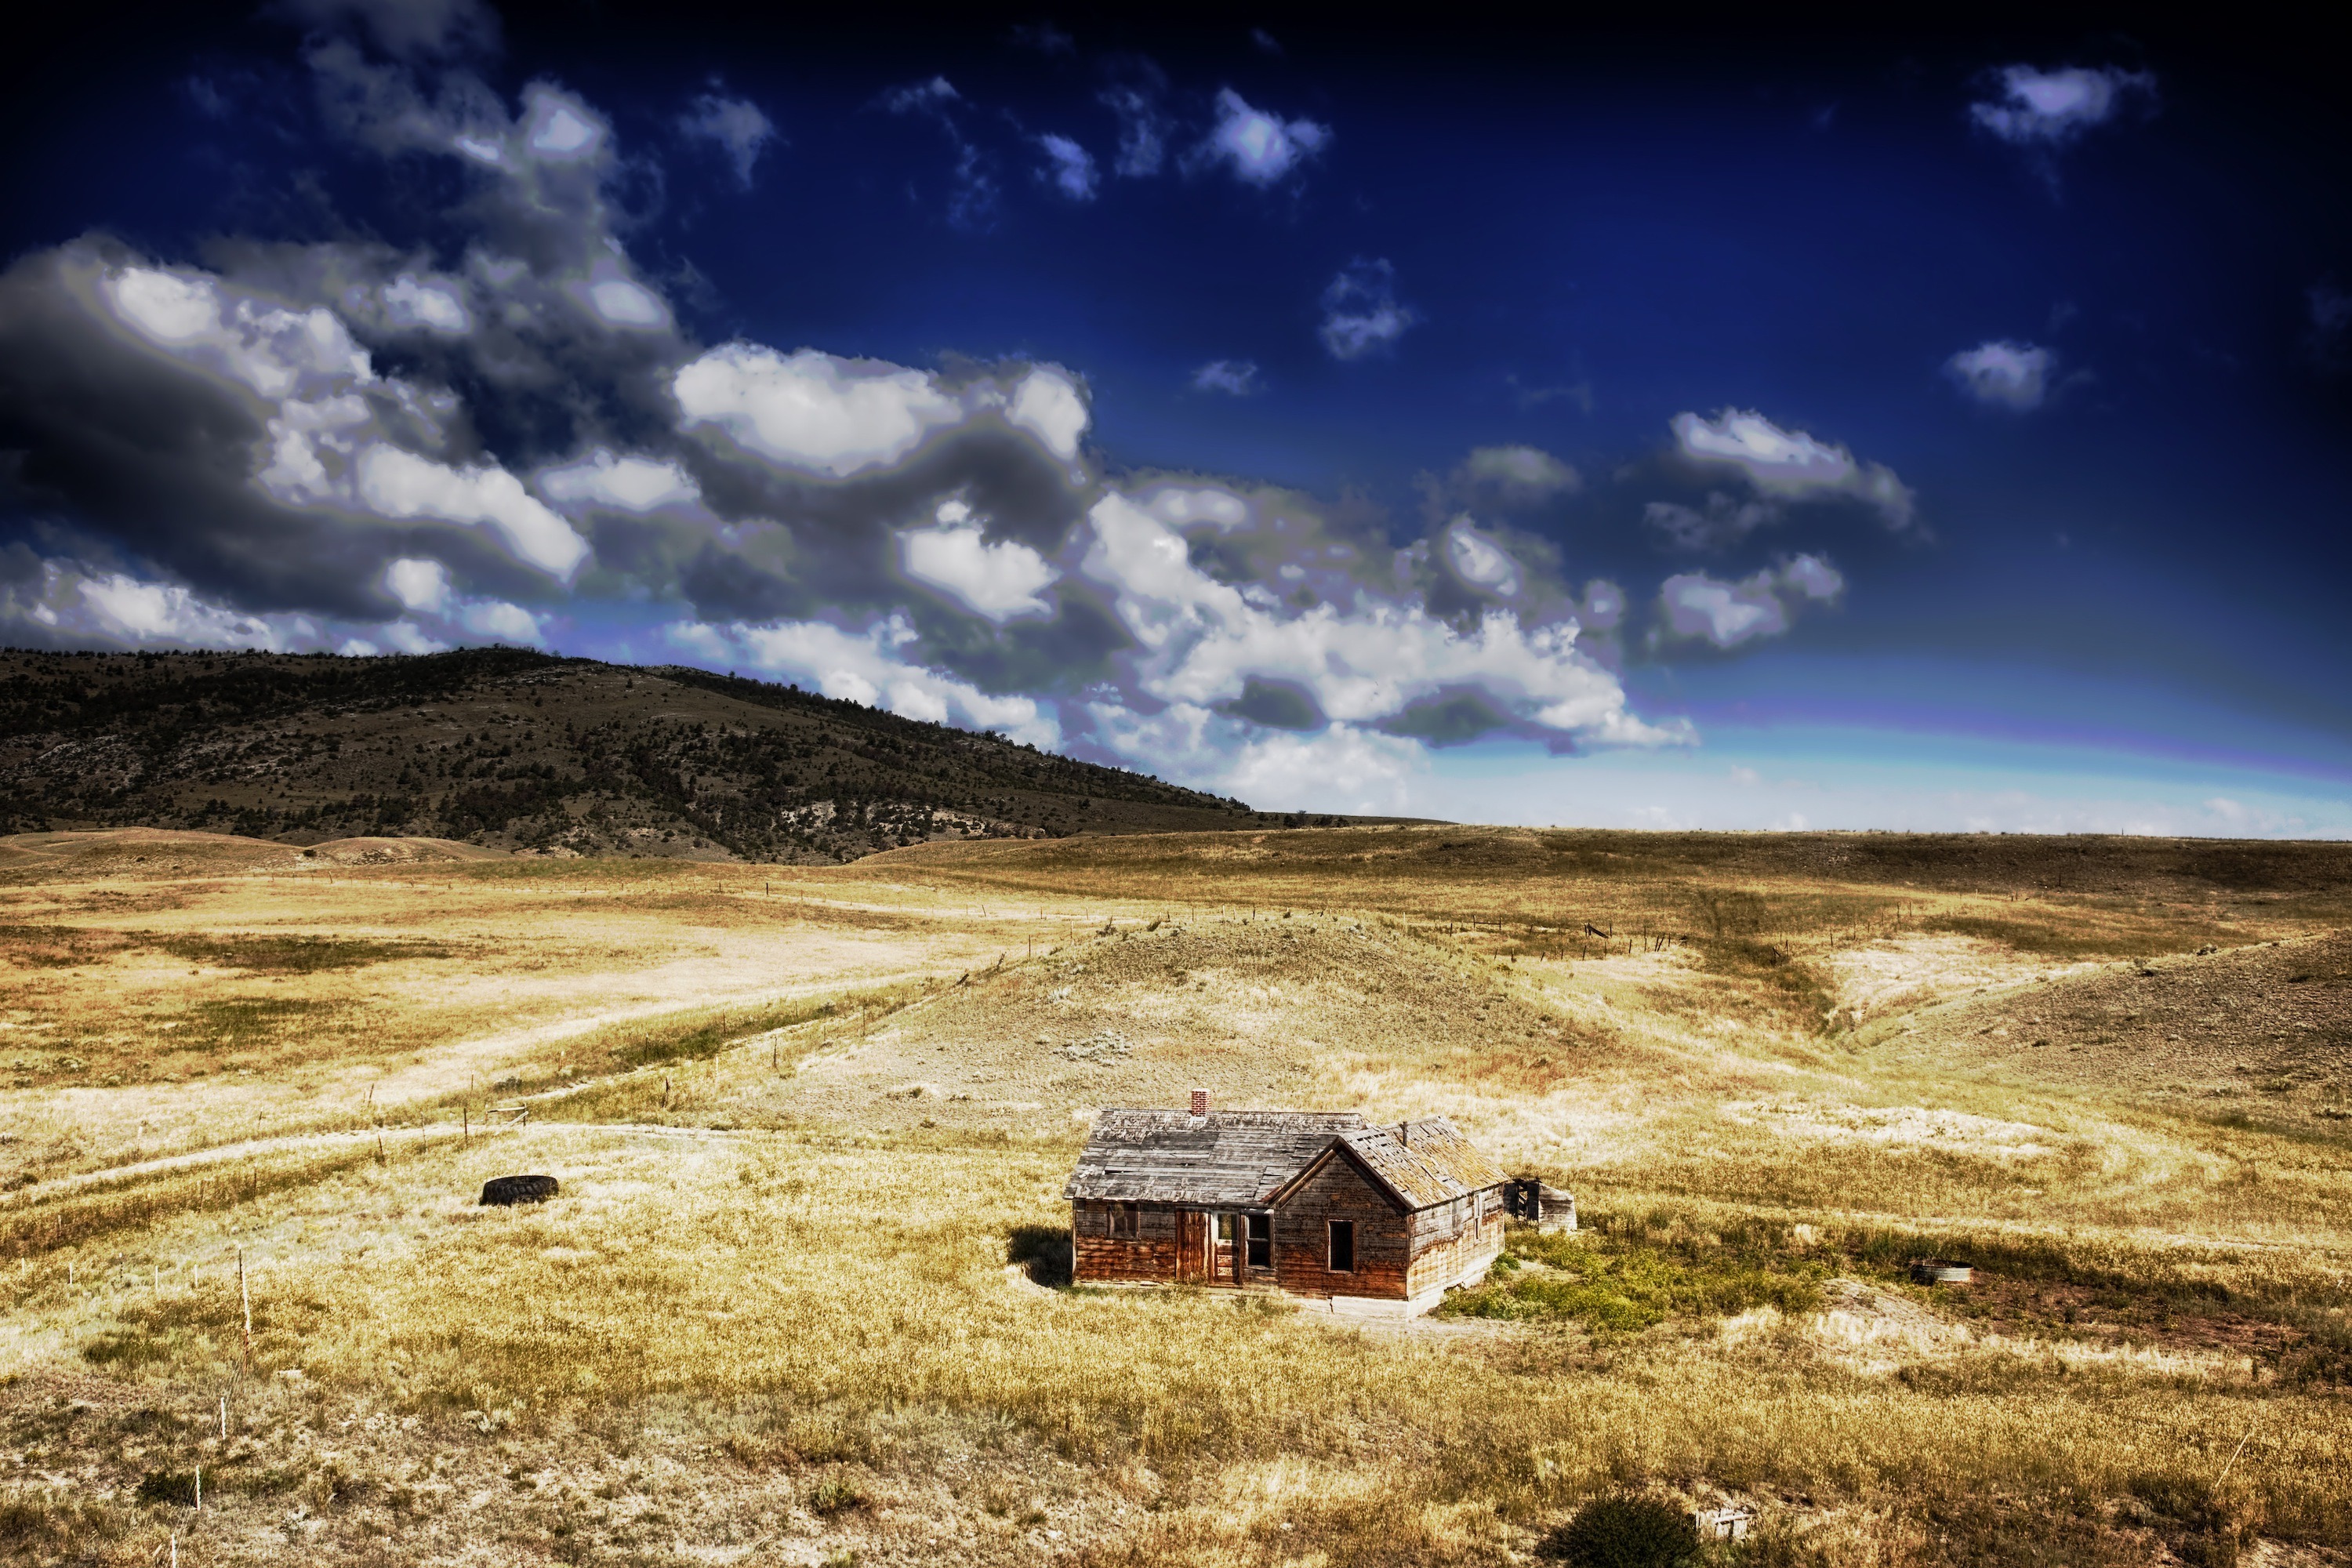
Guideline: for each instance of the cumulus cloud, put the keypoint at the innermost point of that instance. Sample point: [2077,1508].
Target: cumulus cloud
[1362,316]
[812,410]
[1233,377]
[1520,474]
[734,125]
[1343,767]
[1198,641]
[1726,614]
[400,484]
[2049,109]
[999,580]
[1259,148]
[1049,405]
[347,445]
[2004,374]
[1069,168]
[865,667]
[1790,465]
[1480,560]
[431,304]
[623,482]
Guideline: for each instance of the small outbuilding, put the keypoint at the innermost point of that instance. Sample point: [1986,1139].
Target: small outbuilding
[1368,1218]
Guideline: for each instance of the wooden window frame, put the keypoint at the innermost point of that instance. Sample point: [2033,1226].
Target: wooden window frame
[1257,1237]
[1127,1222]
[1331,1246]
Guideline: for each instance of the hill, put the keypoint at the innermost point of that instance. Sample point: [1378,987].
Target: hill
[510,749]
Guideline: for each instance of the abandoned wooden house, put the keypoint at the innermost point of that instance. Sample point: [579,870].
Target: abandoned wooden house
[1376,1220]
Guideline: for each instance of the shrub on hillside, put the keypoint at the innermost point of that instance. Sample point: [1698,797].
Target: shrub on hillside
[1623,1531]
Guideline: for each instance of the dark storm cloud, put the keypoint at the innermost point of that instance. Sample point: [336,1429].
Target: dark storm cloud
[1276,704]
[155,455]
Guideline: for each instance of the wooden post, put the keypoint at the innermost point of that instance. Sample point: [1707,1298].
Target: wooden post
[200,1488]
[224,1417]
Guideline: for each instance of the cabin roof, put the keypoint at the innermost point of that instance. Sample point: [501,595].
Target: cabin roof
[1244,1158]
[1424,1162]
[1233,1157]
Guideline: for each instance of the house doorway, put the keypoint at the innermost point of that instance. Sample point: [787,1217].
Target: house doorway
[1192,1245]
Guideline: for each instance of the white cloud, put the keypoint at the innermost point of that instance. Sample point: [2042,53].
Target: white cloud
[1360,312]
[2003,374]
[396,483]
[629,484]
[419,585]
[559,128]
[64,604]
[1729,614]
[1340,768]
[1792,465]
[866,667]
[1259,147]
[1199,641]
[435,306]
[1001,581]
[2050,108]
[1048,404]
[1070,167]
[624,303]
[1522,473]
[496,618]
[812,410]
[271,348]
[1479,560]
[1233,377]
[734,125]
[1182,505]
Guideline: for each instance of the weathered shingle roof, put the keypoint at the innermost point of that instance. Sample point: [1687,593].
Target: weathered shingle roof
[1242,1158]
[1228,1157]
[1431,1163]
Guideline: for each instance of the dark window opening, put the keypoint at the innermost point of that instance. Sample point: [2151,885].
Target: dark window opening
[1126,1221]
[1261,1241]
[1343,1246]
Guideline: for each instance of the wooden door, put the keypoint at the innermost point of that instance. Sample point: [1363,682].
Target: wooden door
[1191,1243]
[1224,1256]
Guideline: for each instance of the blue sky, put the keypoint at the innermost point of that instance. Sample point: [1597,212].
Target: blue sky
[1743,429]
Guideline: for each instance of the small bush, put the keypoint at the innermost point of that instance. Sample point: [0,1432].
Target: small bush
[169,1486]
[836,1494]
[1623,1531]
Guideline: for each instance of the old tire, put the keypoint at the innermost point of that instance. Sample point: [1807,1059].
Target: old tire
[500,1192]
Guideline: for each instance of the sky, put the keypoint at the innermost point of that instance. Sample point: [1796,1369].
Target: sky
[1753,427]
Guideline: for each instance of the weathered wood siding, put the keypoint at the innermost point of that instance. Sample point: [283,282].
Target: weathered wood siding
[1451,1240]
[1301,1235]
[1103,1259]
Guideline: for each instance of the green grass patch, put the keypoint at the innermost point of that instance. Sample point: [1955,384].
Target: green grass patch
[1625,1274]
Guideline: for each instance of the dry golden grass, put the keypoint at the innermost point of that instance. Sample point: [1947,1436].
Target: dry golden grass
[798,1299]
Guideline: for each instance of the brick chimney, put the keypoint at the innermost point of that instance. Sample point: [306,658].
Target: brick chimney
[1200,1102]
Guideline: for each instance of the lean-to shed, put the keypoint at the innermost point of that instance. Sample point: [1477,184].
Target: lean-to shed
[1321,1204]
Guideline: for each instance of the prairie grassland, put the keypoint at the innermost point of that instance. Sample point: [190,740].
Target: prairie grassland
[800,1298]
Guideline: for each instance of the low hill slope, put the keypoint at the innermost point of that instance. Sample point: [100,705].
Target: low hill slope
[2264,1031]
[511,749]
[1265,1013]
